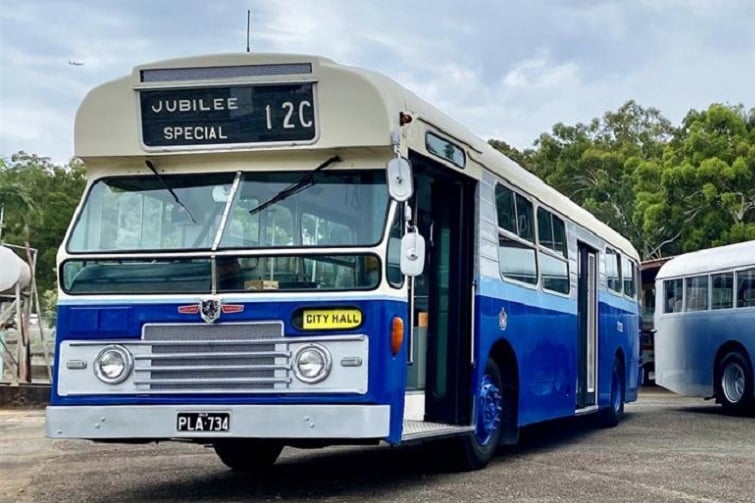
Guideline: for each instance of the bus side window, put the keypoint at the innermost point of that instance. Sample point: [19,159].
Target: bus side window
[697,293]
[722,290]
[746,288]
[673,292]
[613,274]
[748,297]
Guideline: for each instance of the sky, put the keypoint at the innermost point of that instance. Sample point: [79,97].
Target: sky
[506,69]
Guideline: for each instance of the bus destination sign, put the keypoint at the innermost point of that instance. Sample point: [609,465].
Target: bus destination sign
[228,115]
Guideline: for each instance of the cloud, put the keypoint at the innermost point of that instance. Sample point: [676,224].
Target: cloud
[505,70]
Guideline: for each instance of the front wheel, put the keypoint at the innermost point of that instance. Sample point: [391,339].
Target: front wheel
[245,455]
[735,387]
[611,416]
[478,448]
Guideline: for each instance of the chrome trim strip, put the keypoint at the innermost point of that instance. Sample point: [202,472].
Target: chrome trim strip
[259,421]
[247,342]
[212,367]
[211,356]
[213,380]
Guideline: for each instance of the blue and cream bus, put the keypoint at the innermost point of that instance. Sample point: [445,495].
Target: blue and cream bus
[705,322]
[277,250]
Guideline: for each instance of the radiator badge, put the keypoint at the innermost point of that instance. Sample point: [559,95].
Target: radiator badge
[209,309]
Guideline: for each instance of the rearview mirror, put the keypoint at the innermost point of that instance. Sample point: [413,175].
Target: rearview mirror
[412,253]
[399,178]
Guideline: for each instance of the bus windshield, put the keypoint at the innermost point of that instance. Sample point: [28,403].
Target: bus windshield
[140,214]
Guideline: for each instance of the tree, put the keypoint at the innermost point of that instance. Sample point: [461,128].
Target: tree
[594,164]
[702,192]
[39,199]
[523,158]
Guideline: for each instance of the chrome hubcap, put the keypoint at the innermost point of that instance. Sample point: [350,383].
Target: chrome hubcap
[733,382]
[489,411]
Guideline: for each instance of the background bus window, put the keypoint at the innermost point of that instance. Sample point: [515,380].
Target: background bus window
[746,288]
[673,295]
[696,296]
[722,291]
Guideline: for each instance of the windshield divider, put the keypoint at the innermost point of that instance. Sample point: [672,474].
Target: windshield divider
[226,211]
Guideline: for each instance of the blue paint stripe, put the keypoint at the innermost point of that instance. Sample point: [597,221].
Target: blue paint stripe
[498,289]
[619,302]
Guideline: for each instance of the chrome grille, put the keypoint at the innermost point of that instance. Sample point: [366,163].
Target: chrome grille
[201,358]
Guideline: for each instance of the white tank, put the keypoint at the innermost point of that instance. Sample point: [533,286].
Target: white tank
[13,271]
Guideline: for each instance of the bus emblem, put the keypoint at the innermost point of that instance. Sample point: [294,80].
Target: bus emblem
[503,319]
[210,310]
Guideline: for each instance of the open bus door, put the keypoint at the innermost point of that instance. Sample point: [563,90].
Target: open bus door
[587,310]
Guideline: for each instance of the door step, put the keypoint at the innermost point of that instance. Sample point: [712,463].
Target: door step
[417,430]
[590,409]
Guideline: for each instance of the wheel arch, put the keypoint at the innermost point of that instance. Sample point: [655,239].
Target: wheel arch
[502,353]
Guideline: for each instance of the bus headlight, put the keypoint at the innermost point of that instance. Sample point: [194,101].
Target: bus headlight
[312,363]
[113,364]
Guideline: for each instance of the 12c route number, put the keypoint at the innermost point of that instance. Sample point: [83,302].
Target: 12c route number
[293,116]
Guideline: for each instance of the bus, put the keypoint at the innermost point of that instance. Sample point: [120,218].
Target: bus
[279,250]
[705,322]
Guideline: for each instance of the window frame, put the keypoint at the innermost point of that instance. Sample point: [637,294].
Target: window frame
[609,251]
[514,236]
[551,252]
[634,272]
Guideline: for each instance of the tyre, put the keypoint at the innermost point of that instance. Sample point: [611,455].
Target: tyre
[611,416]
[478,448]
[735,386]
[244,455]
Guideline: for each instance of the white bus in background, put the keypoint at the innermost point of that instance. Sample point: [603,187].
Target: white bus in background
[705,322]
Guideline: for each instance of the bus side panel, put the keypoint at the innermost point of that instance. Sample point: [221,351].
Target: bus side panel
[542,330]
[687,344]
[618,329]
[687,350]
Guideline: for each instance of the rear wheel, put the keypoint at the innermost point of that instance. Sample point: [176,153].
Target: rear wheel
[478,448]
[735,386]
[611,416]
[245,455]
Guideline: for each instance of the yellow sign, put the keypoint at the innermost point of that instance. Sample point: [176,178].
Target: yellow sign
[313,319]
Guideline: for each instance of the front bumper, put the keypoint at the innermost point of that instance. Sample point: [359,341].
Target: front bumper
[115,422]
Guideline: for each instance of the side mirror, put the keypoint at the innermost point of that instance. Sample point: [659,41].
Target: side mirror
[412,253]
[399,179]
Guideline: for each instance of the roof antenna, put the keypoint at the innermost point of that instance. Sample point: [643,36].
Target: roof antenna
[248,27]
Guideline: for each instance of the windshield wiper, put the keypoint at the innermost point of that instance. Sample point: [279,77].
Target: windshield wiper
[169,189]
[299,185]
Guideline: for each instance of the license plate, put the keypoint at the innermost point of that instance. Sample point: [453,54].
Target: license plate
[207,422]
